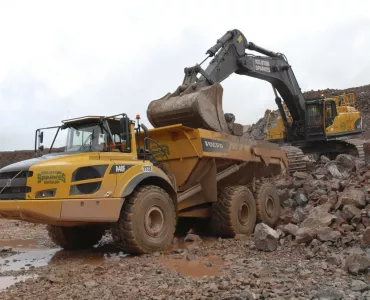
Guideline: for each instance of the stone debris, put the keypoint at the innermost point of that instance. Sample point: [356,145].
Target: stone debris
[265,238]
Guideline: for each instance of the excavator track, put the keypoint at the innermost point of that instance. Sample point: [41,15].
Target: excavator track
[359,144]
[296,159]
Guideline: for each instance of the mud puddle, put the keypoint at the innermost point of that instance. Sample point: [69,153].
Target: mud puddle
[26,259]
[195,267]
[186,264]
[7,281]
[29,259]
[27,243]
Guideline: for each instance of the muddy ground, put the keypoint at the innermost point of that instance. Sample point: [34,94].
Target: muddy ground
[32,267]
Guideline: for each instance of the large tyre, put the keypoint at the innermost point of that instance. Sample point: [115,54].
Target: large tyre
[234,212]
[268,204]
[77,237]
[147,221]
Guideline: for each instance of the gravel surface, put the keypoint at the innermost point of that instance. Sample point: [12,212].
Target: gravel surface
[209,269]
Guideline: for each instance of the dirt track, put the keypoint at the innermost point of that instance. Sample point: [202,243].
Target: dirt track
[211,269]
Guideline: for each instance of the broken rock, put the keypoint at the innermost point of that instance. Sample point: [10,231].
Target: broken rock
[283,195]
[358,286]
[291,229]
[365,239]
[299,215]
[318,217]
[325,234]
[353,196]
[192,237]
[301,199]
[300,175]
[356,263]
[305,235]
[346,161]
[265,238]
[350,211]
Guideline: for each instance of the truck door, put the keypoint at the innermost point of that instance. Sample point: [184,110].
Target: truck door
[315,121]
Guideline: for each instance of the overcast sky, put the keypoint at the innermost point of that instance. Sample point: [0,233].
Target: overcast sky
[67,59]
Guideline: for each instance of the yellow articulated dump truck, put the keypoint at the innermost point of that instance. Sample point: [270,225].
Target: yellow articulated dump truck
[115,173]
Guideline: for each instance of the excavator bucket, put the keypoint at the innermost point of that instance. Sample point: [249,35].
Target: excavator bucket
[197,109]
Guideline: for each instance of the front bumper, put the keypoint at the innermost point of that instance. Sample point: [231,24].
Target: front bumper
[66,212]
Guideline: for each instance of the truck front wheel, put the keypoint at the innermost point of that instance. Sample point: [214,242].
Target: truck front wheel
[77,237]
[234,212]
[147,221]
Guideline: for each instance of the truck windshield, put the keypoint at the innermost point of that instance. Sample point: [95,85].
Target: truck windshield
[91,138]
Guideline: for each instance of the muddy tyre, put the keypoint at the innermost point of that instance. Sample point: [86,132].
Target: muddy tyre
[77,237]
[147,221]
[268,204]
[234,212]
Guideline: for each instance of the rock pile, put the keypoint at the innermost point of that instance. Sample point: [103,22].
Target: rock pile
[362,93]
[329,209]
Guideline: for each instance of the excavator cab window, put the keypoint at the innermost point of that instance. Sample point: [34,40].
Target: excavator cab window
[330,113]
[315,129]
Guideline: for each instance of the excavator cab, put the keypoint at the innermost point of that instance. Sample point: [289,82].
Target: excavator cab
[315,120]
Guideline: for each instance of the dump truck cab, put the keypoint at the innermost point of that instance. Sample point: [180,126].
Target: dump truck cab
[102,163]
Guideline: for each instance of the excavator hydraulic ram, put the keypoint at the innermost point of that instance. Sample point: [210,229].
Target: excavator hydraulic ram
[195,108]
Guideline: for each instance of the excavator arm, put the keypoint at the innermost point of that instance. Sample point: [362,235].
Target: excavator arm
[198,101]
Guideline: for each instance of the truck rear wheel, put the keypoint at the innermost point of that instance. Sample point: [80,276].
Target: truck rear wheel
[77,237]
[234,212]
[147,221]
[268,204]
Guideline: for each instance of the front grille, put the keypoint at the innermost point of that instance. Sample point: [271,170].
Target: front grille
[16,190]
[13,185]
[10,175]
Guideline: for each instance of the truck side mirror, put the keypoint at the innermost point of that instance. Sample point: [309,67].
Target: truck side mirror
[125,131]
[125,126]
[41,137]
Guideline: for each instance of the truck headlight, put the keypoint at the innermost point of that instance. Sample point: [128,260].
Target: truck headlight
[46,193]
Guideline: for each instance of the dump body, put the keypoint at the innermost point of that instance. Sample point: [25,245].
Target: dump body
[203,161]
[193,161]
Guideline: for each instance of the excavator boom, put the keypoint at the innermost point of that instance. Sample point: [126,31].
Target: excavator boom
[198,101]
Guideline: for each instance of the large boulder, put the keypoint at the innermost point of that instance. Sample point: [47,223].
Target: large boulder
[346,161]
[356,263]
[353,196]
[291,229]
[318,217]
[305,235]
[265,238]
[350,211]
[335,170]
[327,234]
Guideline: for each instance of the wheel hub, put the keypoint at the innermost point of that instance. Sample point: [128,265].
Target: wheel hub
[154,221]
[269,206]
[243,213]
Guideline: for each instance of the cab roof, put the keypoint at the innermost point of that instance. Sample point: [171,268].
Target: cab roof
[86,120]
